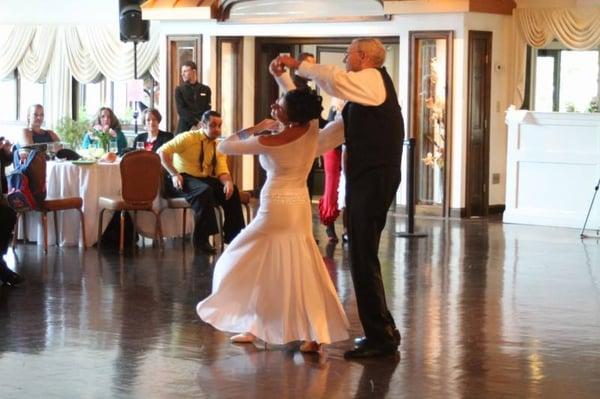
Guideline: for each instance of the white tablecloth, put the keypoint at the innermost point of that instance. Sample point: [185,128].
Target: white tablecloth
[65,179]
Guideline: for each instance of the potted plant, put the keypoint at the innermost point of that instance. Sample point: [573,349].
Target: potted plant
[72,131]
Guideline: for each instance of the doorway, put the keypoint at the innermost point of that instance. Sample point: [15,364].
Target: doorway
[327,50]
[478,116]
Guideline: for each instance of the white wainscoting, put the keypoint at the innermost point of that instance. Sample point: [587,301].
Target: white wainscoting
[552,167]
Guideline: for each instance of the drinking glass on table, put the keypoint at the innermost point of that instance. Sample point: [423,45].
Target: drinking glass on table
[113,147]
[140,145]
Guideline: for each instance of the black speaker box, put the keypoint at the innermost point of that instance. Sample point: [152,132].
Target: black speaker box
[132,27]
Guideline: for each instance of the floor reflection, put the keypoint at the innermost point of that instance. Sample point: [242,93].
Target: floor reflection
[485,310]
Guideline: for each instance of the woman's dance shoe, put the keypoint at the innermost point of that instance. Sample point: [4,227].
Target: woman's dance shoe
[330,231]
[310,347]
[243,338]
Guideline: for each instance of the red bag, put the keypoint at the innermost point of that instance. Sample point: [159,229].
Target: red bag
[27,183]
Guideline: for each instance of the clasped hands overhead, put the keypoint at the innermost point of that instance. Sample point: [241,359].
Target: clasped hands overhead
[278,65]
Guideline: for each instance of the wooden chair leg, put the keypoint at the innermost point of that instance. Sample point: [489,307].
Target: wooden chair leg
[158,230]
[25,239]
[56,240]
[220,216]
[122,232]
[45,227]
[184,226]
[135,232]
[82,228]
[99,238]
[16,230]
[248,213]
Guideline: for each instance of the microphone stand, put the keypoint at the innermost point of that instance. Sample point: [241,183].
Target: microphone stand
[582,234]
[135,110]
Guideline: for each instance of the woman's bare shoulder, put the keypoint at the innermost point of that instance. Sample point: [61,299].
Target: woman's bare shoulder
[285,137]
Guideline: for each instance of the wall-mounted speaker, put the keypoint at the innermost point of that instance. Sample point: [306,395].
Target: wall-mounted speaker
[131,25]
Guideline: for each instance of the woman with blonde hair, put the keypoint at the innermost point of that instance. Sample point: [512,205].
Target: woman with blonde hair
[33,133]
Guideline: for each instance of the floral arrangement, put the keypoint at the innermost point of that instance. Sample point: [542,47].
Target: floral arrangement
[436,105]
[103,135]
[435,158]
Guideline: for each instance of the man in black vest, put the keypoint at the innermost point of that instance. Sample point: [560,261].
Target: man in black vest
[192,98]
[373,130]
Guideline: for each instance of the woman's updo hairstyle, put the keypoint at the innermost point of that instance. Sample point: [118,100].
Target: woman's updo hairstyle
[303,105]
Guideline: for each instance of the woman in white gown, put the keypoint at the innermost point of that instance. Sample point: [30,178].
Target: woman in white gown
[271,282]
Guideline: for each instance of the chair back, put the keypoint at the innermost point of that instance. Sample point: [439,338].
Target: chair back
[140,176]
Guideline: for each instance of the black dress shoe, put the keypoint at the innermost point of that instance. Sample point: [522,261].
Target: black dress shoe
[206,248]
[362,340]
[368,350]
[9,277]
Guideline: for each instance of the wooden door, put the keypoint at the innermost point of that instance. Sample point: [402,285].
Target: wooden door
[180,50]
[478,116]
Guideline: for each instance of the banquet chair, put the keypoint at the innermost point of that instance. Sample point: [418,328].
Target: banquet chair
[234,163]
[37,175]
[181,203]
[140,182]
[245,198]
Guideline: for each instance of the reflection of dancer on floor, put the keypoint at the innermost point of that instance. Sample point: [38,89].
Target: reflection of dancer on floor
[271,282]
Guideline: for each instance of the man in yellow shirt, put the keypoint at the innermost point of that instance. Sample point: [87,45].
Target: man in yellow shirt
[199,173]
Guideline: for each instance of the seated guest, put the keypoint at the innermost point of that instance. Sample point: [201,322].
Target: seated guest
[199,173]
[7,218]
[107,122]
[33,133]
[153,138]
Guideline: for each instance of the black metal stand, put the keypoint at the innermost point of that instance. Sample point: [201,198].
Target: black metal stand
[582,234]
[135,109]
[410,195]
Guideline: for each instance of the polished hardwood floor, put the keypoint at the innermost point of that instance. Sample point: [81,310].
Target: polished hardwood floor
[486,310]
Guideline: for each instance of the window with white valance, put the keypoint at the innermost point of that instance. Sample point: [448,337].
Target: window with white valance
[574,28]
[54,55]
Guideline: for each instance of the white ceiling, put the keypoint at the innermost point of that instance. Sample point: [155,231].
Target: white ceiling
[64,12]
[107,11]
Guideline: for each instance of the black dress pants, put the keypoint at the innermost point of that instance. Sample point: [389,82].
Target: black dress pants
[368,198]
[8,218]
[203,193]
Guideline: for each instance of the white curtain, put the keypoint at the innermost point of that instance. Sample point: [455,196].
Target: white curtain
[54,54]
[576,28]
[13,48]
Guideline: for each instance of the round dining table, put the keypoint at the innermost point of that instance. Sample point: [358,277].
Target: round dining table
[90,181]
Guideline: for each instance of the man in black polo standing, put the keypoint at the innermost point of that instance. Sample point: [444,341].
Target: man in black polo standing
[373,130]
[192,98]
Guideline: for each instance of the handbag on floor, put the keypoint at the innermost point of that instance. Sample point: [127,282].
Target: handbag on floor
[110,237]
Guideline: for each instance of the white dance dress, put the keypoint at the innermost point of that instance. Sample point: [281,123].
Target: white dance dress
[271,280]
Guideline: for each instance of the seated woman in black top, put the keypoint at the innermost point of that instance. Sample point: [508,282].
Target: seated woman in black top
[153,138]
[33,133]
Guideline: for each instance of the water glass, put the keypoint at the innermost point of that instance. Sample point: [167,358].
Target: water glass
[113,146]
[140,145]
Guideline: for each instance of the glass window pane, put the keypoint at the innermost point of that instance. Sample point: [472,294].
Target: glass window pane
[430,124]
[578,80]
[8,88]
[544,84]
[31,93]
[92,98]
[122,108]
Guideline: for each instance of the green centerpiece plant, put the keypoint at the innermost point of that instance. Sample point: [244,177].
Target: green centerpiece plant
[72,131]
